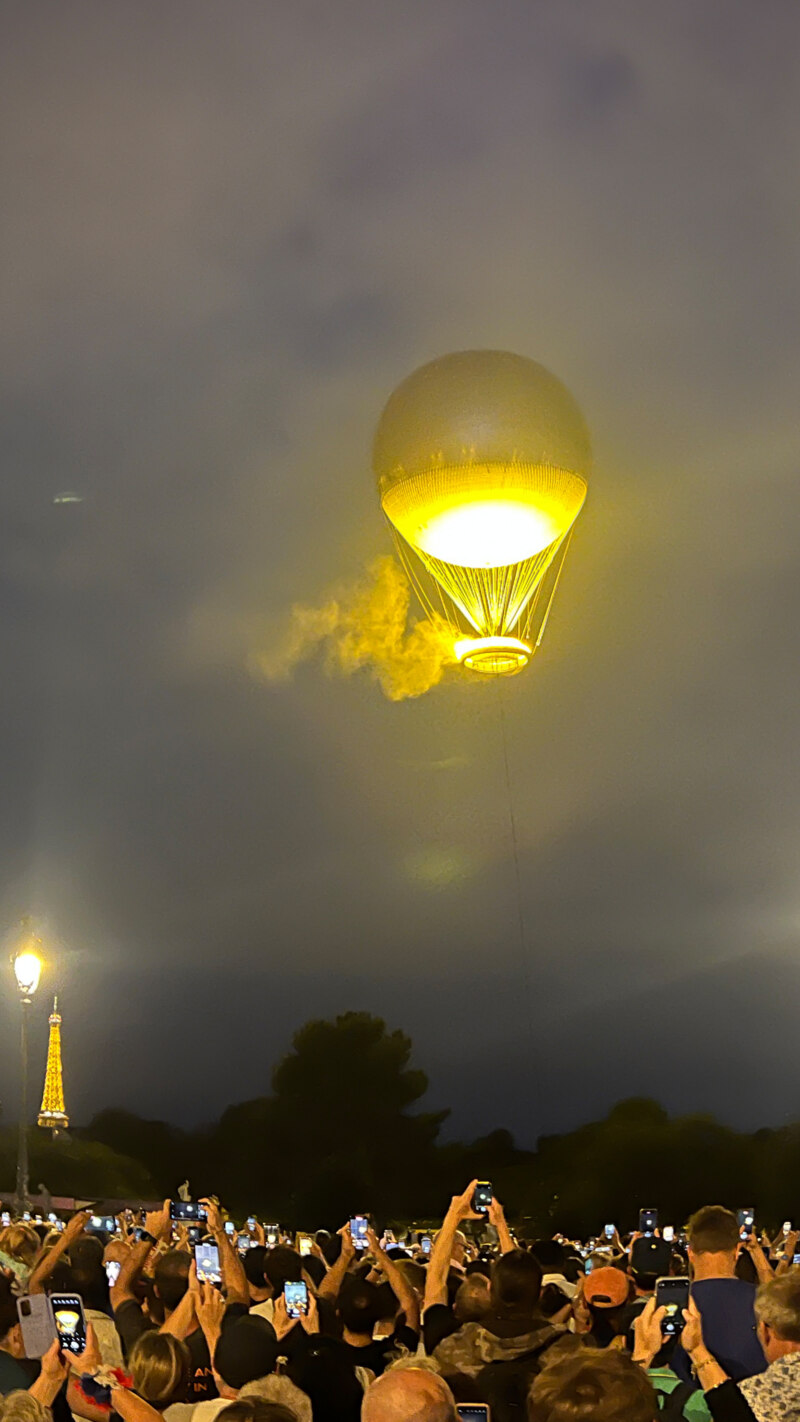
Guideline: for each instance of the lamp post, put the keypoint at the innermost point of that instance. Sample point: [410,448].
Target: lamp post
[27,971]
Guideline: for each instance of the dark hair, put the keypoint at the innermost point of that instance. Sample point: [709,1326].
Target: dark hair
[91,1282]
[550,1254]
[171,1277]
[282,1265]
[360,1307]
[247,1349]
[254,1261]
[593,1386]
[315,1269]
[713,1230]
[256,1409]
[516,1282]
[8,1308]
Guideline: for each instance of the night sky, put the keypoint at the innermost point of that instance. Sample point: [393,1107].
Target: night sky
[228,231]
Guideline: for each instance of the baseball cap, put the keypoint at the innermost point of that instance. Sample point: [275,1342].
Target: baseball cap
[247,1349]
[606,1288]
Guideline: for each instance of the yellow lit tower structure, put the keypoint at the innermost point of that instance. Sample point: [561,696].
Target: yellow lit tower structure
[52,1113]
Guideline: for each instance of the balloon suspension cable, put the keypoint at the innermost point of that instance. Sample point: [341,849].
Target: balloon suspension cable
[515,856]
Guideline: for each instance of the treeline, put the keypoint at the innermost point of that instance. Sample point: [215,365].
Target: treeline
[337,1134]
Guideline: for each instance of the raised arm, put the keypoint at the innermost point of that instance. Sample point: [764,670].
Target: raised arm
[331,1284]
[399,1285]
[497,1217]
[47,1263]
[157,1227]
[442,1251]
[234,1279]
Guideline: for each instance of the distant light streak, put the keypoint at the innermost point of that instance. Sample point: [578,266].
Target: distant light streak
[68,498]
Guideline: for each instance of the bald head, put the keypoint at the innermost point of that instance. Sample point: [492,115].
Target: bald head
[408,1395]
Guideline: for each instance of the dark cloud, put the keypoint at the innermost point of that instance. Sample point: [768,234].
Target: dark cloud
[228,232]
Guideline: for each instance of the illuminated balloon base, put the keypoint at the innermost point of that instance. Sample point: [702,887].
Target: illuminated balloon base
[494,656]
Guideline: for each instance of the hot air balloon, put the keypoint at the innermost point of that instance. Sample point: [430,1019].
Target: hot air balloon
[481,460]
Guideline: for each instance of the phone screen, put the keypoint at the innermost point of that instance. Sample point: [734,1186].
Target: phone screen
[5,1218]
[746,1219]
[304,1244]
[482,1197]
[648,1219]
[245,1243]
[296,1296]
[473,1411]
[668,1233]
[673,1295]
[609,1231]
[70,1322]
[358,1231]
[186,1211]
[230,1227]
[425,1244]
[113,1267]
[206,1257]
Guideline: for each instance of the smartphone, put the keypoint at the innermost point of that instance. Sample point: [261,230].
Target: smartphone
[673,1295]
[272,1234]
[473,1411]
[194,1235]
[206,1257]
[609,1231]
[70,1321]
[186,1211]
[425,1244]
[746,1218]
[113,1267]
[588,1266]
[787,1226]
[36,1324]
[359,1224]
[53,1218]
[230,1227]
[245,1243]
[101,1224]
[296,1299]
[5,1219]
[796,1259]
[482,1197]
[251,1221]
[26,1215]
[304,1244]
[668,1233]
[648,1221]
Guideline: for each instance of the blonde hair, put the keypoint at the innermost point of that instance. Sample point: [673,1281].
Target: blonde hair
[161,1368]
[21,1407]
[21,1242]
[276,1387]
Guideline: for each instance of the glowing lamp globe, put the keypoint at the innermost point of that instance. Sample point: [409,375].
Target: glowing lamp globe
[482,460]
[27,970]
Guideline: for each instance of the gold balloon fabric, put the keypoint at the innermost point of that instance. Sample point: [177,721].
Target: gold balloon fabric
[482,460]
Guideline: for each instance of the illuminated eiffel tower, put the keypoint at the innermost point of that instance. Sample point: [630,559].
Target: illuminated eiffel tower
[52,1112]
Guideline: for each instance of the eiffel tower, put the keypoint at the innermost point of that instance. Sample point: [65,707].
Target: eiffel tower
[52,1113]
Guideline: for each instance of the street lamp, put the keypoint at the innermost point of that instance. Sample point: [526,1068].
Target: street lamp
[28,964]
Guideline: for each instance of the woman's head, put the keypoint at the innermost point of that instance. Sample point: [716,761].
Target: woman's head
[593,1386]
[161,1369]
[21,1242]
[21,1407]
[256,1409]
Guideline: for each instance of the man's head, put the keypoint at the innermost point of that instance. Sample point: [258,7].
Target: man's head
[278,1388]
[359,1307]
[593,1386]
[516,1282]
[282,1265]
[254,1262]
[171,1277]
[473,1299]
[247,1349]
[778,1313]
[651,1259]
[713,1239]
[408,1395]
[458,1253]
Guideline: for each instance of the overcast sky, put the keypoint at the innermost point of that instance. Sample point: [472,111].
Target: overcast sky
[228,230]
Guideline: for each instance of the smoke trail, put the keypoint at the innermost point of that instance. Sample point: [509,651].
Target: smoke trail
[364,626]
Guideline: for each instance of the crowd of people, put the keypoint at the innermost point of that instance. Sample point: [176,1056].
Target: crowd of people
[193,1320]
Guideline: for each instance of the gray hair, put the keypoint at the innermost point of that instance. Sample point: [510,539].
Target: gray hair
[778,1306]
[275,1388]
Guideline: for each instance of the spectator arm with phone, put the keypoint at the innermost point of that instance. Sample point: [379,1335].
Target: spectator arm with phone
[442,1251]
[47,1262]
[497,1217]
[760,1262]
[332,1283]
[234,1278]
[157,1225]
[399,1285]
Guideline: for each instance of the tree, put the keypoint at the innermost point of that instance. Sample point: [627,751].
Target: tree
[164,1150]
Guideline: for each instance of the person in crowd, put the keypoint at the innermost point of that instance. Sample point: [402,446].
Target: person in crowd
[409,1395]
[593,1386]
[512,1327]
[19,1246]
[257,1409]
[439,1317]
[261,1301]
[359,1308]
[279,1388]
[161,1369]
[775,1393]
[726,1303]
[653,1353]
[243,1354]
[601,1306]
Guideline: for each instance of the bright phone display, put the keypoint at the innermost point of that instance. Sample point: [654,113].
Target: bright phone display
[206,1257]
[70,1321]
[296,1299]
[359,1225]
[673,1295]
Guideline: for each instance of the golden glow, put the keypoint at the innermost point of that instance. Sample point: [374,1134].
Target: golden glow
[484,515]
[52,1112]
[494,656]
[27,970]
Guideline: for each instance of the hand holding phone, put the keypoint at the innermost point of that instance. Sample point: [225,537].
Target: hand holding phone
[359,1225]
[482,1197]
[673,1295]
[206,1258]
[648,1221]
[295,1297]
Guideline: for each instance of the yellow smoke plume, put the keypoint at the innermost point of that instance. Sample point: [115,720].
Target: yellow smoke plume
[365,627]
